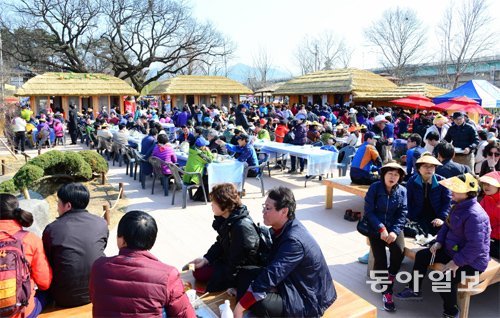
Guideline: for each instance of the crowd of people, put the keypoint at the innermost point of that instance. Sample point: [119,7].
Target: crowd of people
[447,163]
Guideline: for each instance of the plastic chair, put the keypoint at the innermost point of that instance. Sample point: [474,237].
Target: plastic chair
[129,155]
[177,173]
[345,156]
[119,151]
[263,161]
[139,162]
[158,165]
[104,146]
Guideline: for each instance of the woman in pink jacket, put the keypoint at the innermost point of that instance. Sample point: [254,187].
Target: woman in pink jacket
[165,152]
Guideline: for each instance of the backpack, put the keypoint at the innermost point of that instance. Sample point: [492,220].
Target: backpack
[265,243]
[15,286]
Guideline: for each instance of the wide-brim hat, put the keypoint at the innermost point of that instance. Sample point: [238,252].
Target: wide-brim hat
[393,165]
[440,118]
[461,184]
[492,178]
[427,157]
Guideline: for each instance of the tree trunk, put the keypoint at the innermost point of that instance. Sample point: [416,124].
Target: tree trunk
[26,193]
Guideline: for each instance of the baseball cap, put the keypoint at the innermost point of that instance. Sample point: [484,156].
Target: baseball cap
[300,116]
[371,135]
[242,136]
[200,142]
[230,126]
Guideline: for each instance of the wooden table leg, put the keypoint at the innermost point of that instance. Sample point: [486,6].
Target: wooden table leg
[329,197]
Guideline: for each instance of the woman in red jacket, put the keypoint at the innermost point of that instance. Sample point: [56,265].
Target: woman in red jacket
[135,283]
[490,183]
[12,220]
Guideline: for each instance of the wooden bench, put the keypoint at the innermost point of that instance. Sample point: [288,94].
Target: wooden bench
[489,277]
[344,184]
[348,304]
[52,311]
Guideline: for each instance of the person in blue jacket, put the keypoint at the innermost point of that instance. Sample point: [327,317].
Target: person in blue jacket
[296,281]
[462,244]
[428,201]
[386,209]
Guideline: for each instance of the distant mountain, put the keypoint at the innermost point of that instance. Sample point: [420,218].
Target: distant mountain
[241,72]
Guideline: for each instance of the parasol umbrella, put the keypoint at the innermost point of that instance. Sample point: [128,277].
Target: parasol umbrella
[414,101]
[464,104]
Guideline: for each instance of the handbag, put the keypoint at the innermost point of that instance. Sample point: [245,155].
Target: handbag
[363,226]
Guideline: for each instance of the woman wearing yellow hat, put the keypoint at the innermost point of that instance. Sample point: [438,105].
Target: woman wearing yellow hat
[462,244]
[490,183]
[386,209]
[440,126]
[428,201]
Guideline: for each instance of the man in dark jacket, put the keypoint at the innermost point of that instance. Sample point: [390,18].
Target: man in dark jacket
[73,124]
[241,118]
[72,243]
[449,168]
[463,136]
[296,281]
[300,138]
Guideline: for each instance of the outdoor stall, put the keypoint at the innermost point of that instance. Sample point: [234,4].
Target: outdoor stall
[191,89]
[85,90]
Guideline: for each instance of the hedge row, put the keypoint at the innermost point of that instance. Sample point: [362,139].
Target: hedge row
[82,164]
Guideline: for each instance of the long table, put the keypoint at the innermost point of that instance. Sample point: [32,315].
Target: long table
[318,161]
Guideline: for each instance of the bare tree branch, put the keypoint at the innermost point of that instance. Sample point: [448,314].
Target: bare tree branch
[400,38]
[465,32]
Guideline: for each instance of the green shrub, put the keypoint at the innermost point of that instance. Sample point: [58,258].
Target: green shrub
[8,186]
[97,163]
[49,161]
[75,165]
[27,175]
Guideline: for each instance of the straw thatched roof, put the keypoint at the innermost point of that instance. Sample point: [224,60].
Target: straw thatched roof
[340,81]
[427,90]
[75,84]
[199,85]
[269,89]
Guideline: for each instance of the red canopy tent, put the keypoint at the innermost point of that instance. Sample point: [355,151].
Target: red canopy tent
[414,101]
[463,103]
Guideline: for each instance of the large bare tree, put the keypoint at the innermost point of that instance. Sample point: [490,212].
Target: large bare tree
[466,31]
[51,34]
[322,52]
[160,33]
[262,64]
[400,37]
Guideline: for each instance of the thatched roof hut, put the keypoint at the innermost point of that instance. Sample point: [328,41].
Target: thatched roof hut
[75,84]
[341,81]
[193,89]
[199,85]
[333,87]
[86,90]
[424,89]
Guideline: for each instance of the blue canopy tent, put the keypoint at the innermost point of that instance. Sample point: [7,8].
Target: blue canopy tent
[485,93]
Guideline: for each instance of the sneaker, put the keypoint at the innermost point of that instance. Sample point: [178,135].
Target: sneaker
[364,259]
[388,302]
[408,294]
[292,171]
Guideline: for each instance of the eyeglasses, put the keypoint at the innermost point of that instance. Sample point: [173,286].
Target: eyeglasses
[267,209]
[496,154]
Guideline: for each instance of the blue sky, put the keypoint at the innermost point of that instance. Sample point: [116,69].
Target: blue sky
[280,25]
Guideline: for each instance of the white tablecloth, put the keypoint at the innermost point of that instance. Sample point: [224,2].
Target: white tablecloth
[226,171]
[318,161]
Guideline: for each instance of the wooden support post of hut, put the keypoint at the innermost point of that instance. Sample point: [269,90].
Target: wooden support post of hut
[106,213]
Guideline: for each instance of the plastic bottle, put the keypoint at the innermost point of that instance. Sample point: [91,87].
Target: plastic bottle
[227,312]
